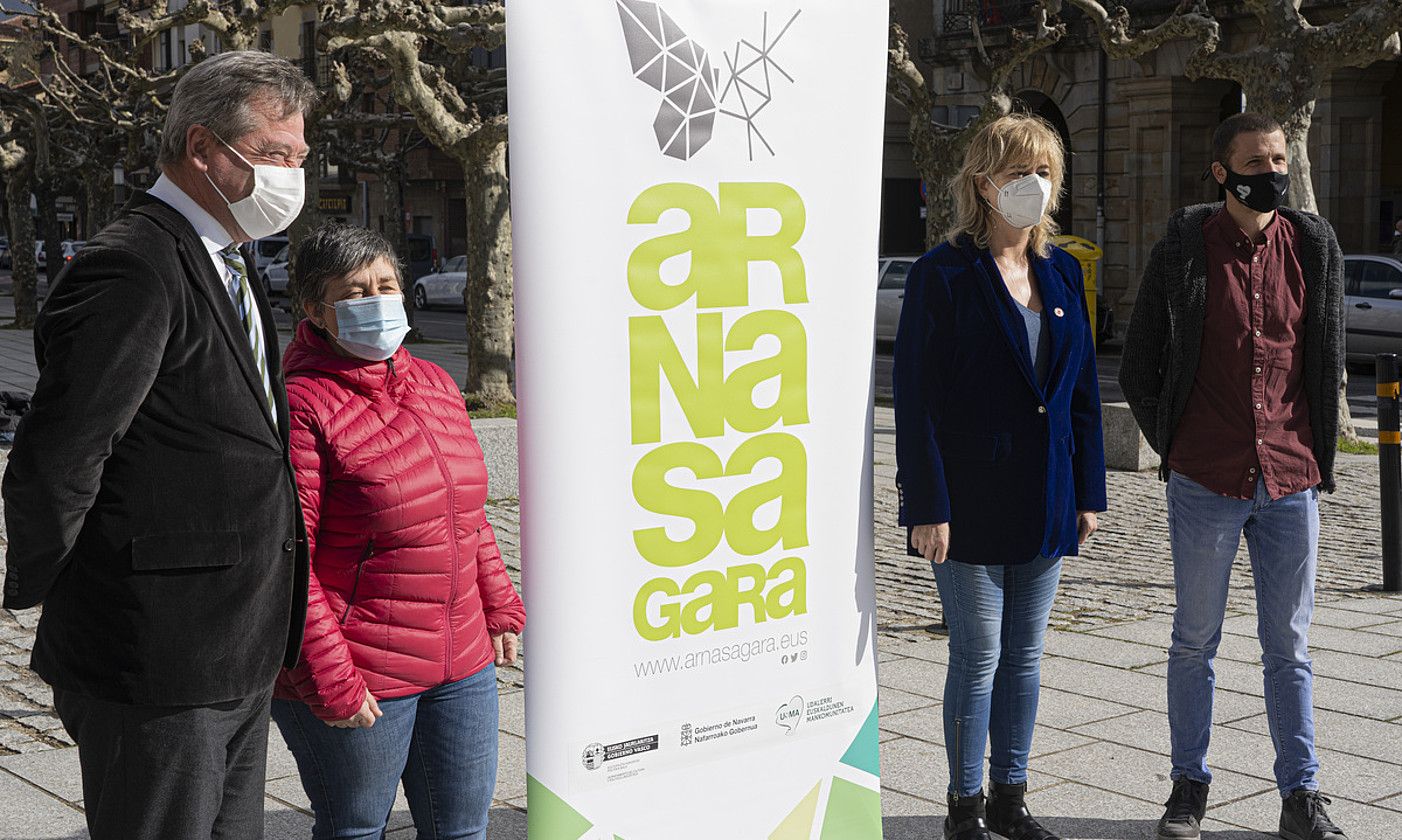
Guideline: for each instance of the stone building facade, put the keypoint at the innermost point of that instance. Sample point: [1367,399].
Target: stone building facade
[1140,141]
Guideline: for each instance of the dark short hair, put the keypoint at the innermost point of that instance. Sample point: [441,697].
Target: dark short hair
[334,250]
[1237,124]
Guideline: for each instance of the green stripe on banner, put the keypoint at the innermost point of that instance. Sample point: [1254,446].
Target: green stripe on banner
[854,812]
[865,751]
[548,817]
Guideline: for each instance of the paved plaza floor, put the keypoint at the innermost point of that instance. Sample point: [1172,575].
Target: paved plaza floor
[1099,769]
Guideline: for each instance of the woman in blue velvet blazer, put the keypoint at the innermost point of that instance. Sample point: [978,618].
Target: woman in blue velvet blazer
[1000,464]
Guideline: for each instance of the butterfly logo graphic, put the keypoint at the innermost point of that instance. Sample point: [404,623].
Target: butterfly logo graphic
[694,99]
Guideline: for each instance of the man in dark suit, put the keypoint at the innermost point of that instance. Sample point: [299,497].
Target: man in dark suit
[149,497]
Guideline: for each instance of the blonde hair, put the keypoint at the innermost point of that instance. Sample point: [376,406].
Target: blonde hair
[1006,142]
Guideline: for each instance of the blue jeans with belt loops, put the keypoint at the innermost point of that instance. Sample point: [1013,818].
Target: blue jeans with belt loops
[997,618]
[441,743]
[1282,537]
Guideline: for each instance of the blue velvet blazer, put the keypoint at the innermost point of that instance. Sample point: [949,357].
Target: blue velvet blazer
[981,444]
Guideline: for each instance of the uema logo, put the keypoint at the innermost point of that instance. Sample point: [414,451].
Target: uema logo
[671,62]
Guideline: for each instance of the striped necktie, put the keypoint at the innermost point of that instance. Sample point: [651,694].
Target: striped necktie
[242,296]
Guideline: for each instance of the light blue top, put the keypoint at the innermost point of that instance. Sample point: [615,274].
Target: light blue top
[1036,323]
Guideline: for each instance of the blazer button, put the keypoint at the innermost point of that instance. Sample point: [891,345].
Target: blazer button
[289,545]
[1041,409]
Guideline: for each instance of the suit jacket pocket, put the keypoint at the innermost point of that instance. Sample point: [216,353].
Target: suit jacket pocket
[987,448]
[185,550]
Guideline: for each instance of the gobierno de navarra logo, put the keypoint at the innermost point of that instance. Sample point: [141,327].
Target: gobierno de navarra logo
[669,61]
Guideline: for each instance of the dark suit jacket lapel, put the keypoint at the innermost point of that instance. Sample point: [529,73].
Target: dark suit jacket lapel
[200,270]
[1001,307]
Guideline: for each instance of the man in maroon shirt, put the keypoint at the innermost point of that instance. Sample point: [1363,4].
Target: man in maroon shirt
[1231,366]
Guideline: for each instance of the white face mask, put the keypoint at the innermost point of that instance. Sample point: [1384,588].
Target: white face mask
[1024,201]
[278,193]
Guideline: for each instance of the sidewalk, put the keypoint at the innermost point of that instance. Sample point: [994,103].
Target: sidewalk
[1099,768]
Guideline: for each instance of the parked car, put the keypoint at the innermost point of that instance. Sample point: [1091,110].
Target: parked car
[275,275]
[1373,306]
[890,292]
[265,251]
[443,288]
[71,247]
[421,257]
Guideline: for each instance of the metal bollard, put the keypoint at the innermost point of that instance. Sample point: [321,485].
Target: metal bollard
[1390,470]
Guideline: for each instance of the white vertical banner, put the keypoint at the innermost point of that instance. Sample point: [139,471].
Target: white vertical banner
[696,201]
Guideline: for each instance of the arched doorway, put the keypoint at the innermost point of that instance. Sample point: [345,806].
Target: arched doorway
[1038,103]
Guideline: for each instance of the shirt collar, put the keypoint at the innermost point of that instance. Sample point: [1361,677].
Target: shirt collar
[1232,233]
[211,233]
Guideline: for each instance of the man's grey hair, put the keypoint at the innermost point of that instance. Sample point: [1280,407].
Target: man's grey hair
[219,93]
[331,251]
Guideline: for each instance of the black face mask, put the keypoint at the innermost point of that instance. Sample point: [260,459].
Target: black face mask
[1262,193]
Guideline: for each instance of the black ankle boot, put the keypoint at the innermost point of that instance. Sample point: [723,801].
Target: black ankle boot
[966,818]
[1008,814]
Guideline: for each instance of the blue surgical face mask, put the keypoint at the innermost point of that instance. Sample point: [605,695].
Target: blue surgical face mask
[371,328]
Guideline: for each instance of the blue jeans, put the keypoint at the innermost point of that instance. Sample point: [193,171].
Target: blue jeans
[442,744]
[1282,537]
[997,617]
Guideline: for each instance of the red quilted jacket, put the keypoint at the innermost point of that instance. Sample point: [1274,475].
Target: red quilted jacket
[407,582]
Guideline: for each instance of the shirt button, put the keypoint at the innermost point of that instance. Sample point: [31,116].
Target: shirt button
[1258,370]
[1258,405]
[1041,409]
[1255,259]
[1258,333]
[1259,441]
[1257,295]
[288,545]
[1252,470]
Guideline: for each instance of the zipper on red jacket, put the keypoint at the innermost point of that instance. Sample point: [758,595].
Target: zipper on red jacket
[355,587]
[453,540]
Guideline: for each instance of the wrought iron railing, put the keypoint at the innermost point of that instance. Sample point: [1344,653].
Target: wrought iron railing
[960,15]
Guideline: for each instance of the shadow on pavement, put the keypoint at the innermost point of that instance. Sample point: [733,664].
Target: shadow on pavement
[1072,828]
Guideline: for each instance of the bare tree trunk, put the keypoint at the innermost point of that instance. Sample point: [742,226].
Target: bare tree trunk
[97,194]
[487,294]
[25,308]
[392,187]
[22,263]
[309,218]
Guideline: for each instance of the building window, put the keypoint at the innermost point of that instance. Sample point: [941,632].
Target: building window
[165,62]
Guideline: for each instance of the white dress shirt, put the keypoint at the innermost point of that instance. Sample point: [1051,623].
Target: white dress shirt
[215,239]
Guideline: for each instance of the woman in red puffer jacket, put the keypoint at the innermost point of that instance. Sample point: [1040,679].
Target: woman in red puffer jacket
[410,607]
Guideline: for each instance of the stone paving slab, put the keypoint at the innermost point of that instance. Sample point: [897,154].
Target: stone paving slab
[30,813]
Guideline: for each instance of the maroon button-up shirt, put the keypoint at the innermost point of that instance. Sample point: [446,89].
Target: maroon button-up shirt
[1247,416]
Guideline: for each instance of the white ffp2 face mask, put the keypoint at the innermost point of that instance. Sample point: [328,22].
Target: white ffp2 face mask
[278,193]
[1024,201]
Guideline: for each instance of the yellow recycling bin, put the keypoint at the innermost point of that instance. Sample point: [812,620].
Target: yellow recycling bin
[1088,254]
